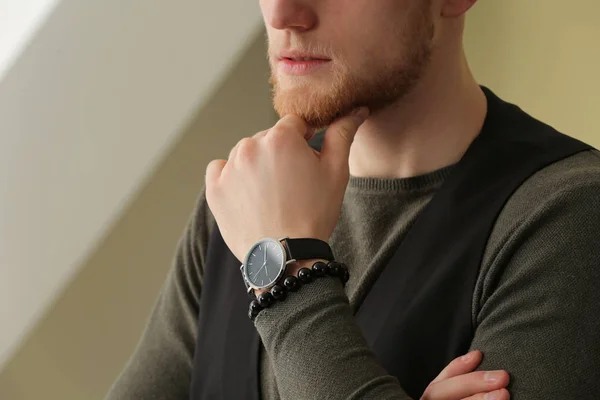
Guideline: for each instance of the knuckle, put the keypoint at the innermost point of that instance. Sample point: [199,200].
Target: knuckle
[261,134]
[245,149]
[277,137]
[211,165]
[244,142]
[294,120]
[210,184]
[289,126]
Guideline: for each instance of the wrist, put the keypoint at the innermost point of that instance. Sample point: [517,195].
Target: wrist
[305,274]
[292,270]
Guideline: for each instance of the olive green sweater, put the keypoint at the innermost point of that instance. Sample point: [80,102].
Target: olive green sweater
[536,305]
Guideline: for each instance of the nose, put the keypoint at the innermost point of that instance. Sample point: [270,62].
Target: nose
[289,14]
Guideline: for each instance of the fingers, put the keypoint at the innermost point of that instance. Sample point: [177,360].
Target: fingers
[501,394]
[291,124]
[286,126]
[462,386]
[213,171]
[261,134]
[340,135]
[455,381]
[460,365]
[337,141]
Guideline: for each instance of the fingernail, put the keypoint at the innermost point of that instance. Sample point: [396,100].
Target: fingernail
[492,376]
[361,113]
[491,396]
[467,356]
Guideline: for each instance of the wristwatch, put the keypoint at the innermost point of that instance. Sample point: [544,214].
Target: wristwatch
[267,260]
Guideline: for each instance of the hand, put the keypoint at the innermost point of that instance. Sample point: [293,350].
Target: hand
[457,382]
[274,184]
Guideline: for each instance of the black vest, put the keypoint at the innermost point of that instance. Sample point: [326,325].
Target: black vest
[417,316]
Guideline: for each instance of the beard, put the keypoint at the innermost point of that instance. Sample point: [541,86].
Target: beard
[376,85]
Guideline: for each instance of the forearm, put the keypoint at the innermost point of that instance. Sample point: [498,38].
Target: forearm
[317,350]
[537,297]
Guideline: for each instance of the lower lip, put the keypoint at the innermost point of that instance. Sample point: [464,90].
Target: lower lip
[292,67]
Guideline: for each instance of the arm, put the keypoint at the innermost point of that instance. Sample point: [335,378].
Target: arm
[314,346]
[161,365]
[310,343]
[536,308]
[334,361]
[538,304]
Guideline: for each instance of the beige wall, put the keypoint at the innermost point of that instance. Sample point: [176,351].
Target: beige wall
[83,342]
[538,53]
[543,55]
[101,91]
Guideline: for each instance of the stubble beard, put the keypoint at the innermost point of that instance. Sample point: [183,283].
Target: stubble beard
[322,100]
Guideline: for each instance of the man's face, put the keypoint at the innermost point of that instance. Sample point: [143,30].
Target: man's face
[361,53]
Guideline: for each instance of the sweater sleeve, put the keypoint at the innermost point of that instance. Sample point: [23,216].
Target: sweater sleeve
[536,304]
[318,352]
[161,365]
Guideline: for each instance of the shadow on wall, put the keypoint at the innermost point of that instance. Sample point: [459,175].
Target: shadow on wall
[81,345]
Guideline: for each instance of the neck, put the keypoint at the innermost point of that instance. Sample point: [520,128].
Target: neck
[428,129]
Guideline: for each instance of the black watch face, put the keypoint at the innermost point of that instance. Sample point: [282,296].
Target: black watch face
[265,263]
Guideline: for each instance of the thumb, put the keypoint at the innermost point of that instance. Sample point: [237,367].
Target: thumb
[340,135]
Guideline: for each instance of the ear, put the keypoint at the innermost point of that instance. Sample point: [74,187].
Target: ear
[456,8]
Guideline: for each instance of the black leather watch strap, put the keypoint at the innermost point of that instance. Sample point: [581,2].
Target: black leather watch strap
[306,249]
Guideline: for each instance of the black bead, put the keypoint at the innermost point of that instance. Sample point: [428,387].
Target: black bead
[345,274]
[319,268]
[254,309]
[334,268]
[265,299]
[291,283]
[305,275]
[255,306]
[278,292]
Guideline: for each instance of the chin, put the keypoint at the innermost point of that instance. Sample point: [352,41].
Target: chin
[317,111]
[318,103]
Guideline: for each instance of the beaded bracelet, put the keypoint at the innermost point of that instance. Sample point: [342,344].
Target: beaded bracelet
[280,291]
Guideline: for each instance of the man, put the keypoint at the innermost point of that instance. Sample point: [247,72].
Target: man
[464,223]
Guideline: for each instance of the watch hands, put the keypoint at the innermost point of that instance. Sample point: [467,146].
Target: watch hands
[263,266]
[265,263]
[257,272]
